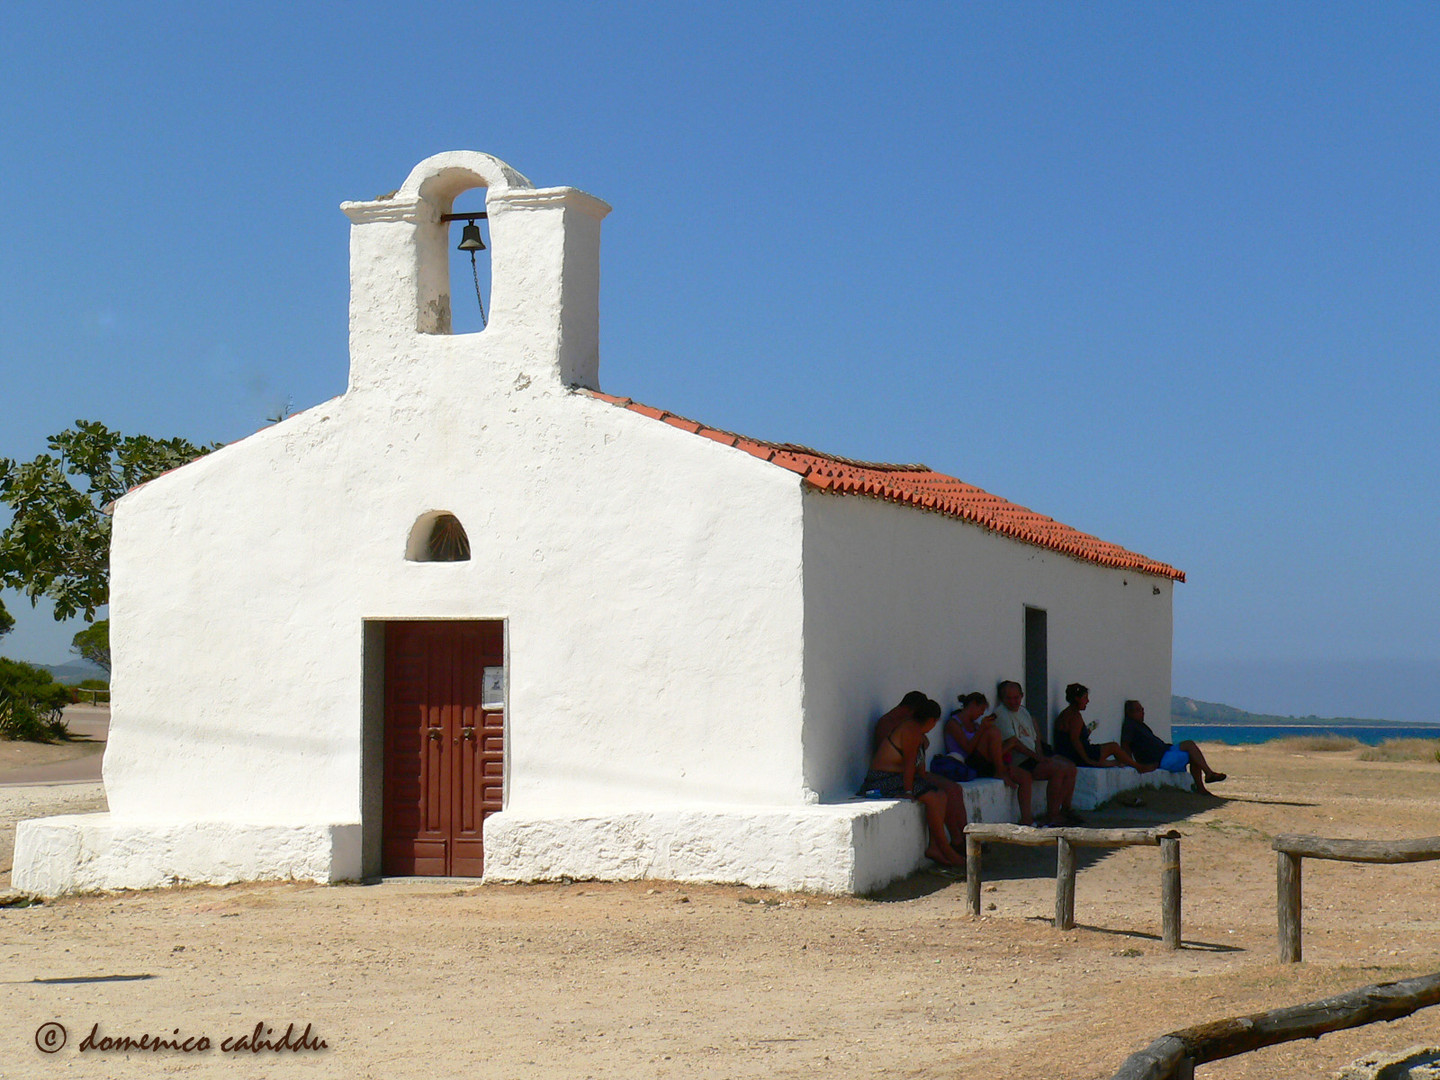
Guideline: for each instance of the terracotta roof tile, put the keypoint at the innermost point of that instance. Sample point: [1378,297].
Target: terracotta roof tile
[919,486]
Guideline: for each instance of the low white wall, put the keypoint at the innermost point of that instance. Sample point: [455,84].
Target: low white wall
[1096,786]
[90,852]
[837,848]
[900,599]
[855,846]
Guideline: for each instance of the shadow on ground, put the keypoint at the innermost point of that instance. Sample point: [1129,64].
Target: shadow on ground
[922,883]
[1141,935]
[1141,808]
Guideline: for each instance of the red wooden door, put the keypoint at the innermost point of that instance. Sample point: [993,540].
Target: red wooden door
[444,746]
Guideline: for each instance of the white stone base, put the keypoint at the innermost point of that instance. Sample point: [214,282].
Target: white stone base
[991,801]
[1095,786]
[93,852]
[851,847]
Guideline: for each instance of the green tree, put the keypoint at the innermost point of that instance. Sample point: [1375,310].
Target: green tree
[93,643]
[31,703]
[58,542]
[7,621]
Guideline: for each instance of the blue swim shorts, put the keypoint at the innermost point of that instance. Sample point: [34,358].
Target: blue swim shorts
[1174,760]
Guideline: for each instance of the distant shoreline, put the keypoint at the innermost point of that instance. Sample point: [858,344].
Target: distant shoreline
[1301,722]
[1187,711]
[1253,734]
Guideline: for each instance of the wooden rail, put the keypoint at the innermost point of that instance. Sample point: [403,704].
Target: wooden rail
[1174,1056]
[1066,841]
[1291,849]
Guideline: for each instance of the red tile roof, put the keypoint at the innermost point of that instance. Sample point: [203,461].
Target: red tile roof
[918,486]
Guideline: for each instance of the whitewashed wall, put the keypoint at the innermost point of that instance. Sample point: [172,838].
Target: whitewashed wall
[651,579]
[899,599]
[654,624]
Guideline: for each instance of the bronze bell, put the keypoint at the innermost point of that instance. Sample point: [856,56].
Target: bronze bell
[470,238]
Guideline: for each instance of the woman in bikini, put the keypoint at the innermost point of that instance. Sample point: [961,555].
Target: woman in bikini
[896,773]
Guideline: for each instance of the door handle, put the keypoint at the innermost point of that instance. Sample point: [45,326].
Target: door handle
[435,735]
[467,733]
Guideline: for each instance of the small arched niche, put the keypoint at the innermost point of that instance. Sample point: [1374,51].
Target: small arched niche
[438,537]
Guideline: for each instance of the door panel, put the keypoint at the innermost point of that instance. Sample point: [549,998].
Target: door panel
[444,752]
[467,857]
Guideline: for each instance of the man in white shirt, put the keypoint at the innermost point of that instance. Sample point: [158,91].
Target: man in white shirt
[1020,741]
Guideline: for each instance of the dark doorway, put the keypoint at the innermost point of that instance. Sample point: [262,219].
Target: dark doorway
[444,745]
[1037,675]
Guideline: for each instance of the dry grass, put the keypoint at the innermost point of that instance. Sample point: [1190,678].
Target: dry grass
[1403,750]
[1326,743]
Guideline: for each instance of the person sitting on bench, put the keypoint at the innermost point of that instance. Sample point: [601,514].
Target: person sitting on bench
[896,773]
[1072,736]
[972,731]
[1145,745]
[1017,730]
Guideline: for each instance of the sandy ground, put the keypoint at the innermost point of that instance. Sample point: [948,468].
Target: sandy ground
[16,755]
[650,979]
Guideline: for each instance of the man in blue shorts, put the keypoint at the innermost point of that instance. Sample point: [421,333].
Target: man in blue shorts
[1148,748]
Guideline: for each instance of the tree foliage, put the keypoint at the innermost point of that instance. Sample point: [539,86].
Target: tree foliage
[93,643]
[31,703]
[58,543]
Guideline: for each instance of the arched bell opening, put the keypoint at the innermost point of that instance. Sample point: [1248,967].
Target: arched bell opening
[468,246]
[438,537]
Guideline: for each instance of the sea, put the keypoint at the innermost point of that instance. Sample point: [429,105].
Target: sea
[1241,734]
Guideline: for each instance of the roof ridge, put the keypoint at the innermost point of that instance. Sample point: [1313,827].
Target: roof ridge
[795,448]
[878,466]
[914,485]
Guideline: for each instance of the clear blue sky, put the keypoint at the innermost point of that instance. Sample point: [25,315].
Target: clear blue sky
[1165,272]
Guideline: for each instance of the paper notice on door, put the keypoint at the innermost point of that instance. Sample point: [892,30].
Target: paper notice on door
[492,688]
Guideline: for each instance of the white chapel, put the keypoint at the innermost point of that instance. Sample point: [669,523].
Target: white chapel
[476,617]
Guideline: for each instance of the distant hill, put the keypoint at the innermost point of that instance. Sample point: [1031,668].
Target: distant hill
[74,671]
[1185,710]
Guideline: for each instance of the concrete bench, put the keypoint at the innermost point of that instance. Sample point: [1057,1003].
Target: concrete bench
[1095,786]
[990,801]
[986,802]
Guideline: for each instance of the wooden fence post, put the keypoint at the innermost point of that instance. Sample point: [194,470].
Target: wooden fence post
[1066,841]
[972,873]
[1170,891]
[1064,884]
[1288,906]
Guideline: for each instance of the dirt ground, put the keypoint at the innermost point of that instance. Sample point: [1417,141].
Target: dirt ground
[651,979]
[16,754]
